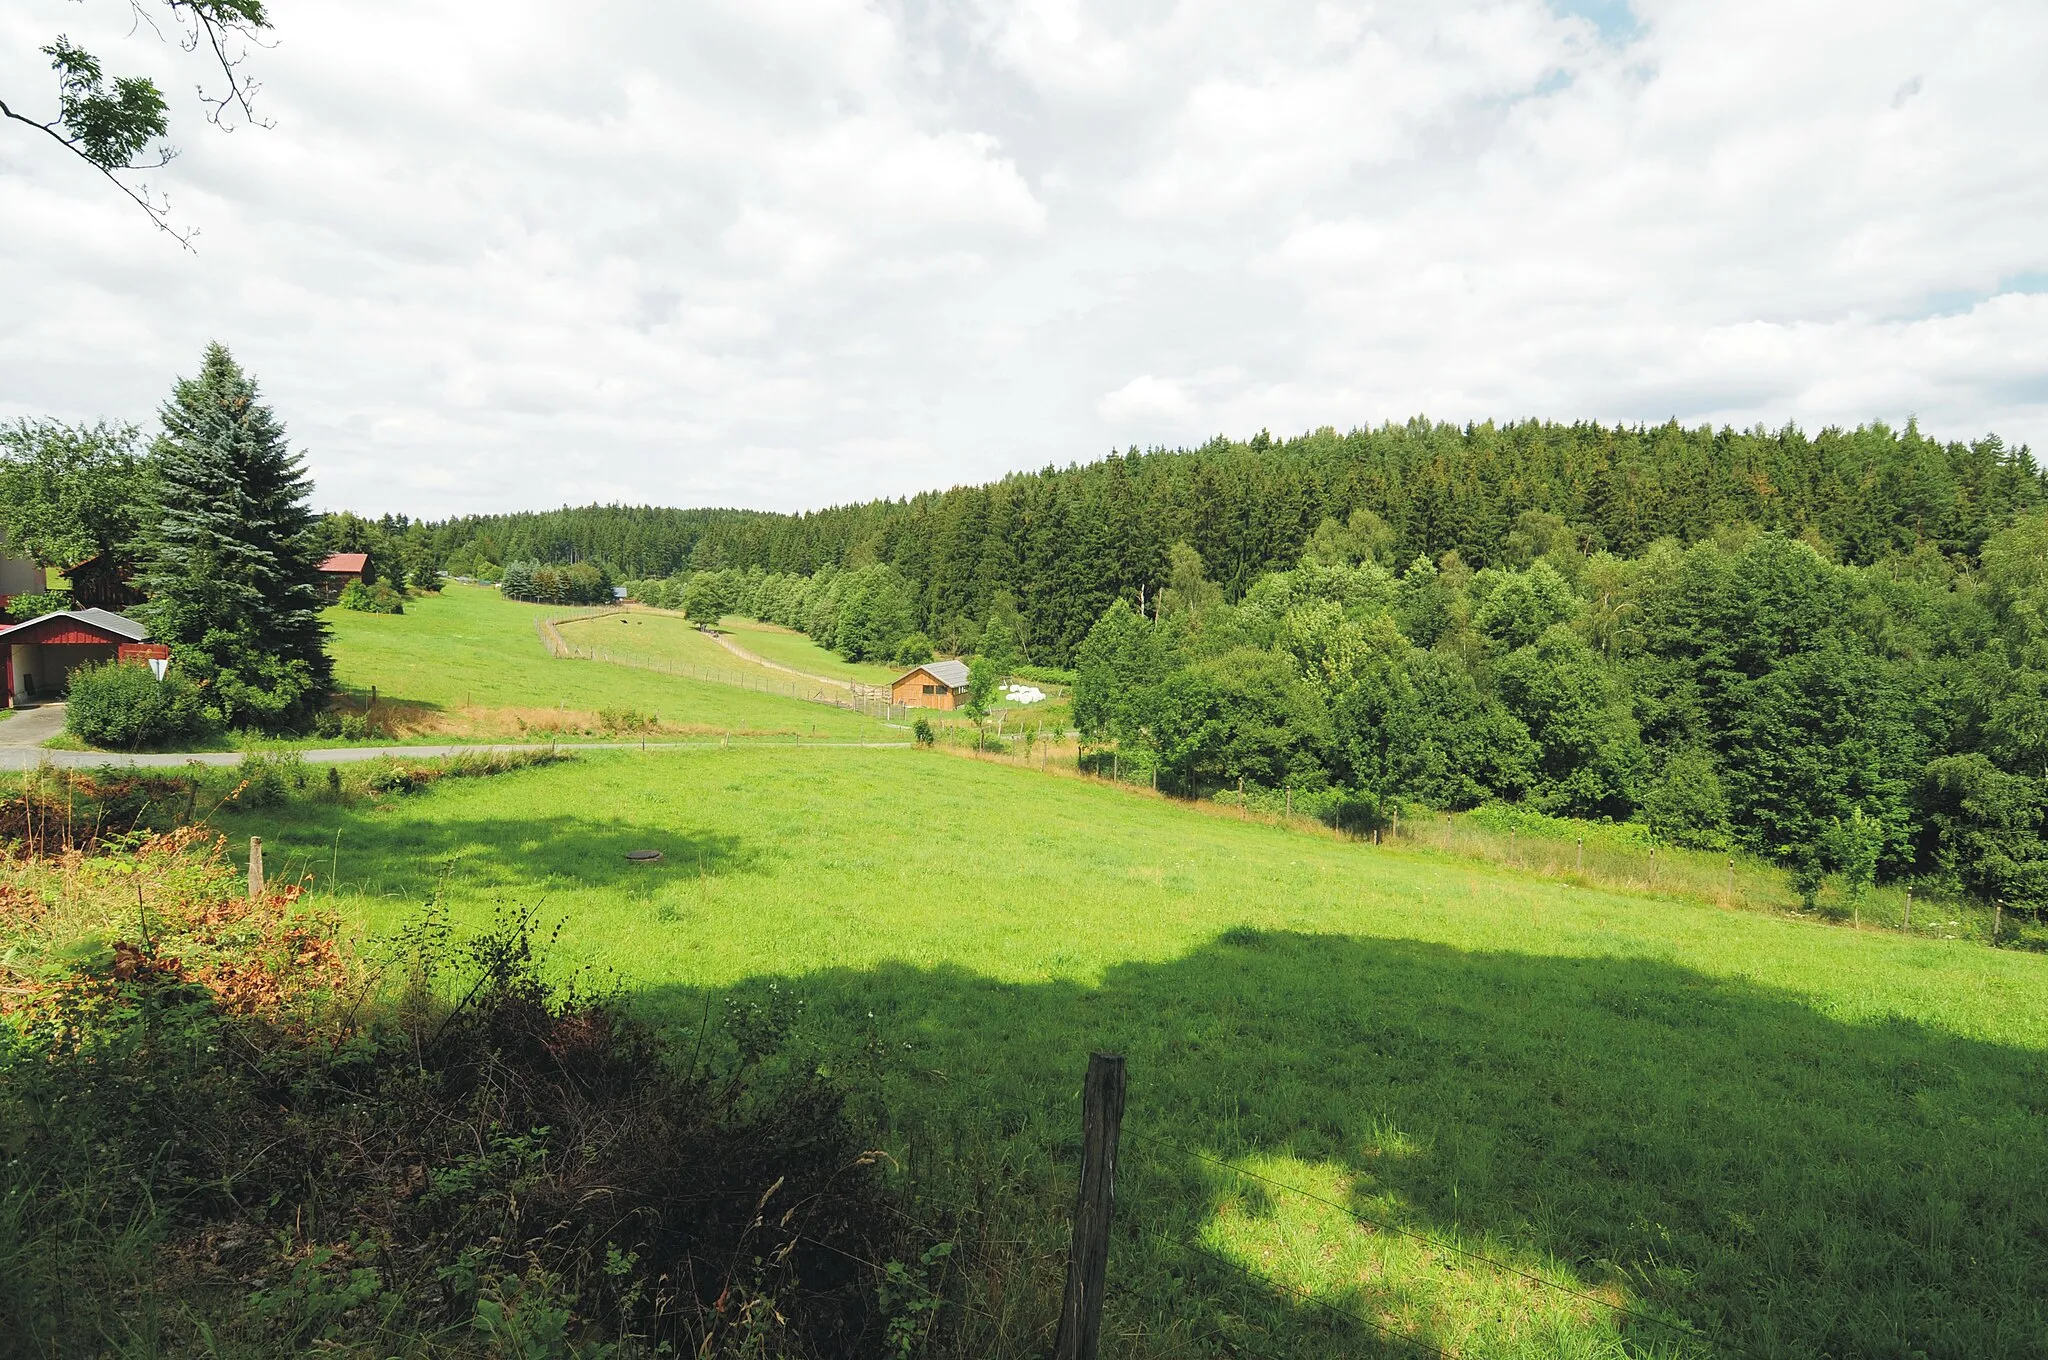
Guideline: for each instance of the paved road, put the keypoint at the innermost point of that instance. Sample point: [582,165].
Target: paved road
[31,727]
[25,758]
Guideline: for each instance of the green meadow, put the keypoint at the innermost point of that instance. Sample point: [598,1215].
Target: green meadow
[1377,1093]
[671,643]
[787,647]
[467,663]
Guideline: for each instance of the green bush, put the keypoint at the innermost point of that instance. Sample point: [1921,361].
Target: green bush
[1688,805]
[371,599]
[914,650]
[347,726]
[21,608]
[921,730]
[125,707]
[269,778]
[1530,822]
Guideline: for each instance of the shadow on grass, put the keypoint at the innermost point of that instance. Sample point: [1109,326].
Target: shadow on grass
[1712,1151]
[514,854]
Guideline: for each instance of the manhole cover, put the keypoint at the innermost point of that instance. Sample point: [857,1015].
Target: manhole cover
[643,856]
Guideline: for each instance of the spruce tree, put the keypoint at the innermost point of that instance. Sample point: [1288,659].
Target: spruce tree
[230,565]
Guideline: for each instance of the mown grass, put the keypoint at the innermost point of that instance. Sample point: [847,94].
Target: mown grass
[787,647]
[466,663]
[1778,1136]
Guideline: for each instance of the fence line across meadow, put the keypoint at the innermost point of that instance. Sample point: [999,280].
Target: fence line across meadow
[869,700]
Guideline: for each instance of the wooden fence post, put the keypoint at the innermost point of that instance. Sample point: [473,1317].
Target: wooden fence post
[1909,910]
[1997,919]
[1102,1117]
[1244,809]
[255,866]
[1582,854]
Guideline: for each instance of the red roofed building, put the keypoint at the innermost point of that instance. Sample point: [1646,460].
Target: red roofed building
[37,657]
[338,571]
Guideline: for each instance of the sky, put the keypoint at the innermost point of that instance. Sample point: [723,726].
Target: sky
[790,253]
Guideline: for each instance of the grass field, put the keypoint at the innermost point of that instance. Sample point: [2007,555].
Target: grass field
[669,642]
[1785,1137]
[466,663]
[787,647]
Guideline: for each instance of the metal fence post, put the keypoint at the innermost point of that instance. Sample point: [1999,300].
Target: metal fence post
[1102,1117]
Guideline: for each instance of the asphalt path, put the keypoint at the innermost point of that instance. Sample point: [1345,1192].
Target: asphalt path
[29,727]
[28,758]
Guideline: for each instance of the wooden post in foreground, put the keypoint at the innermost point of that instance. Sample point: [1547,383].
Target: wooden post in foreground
[1909,909]
[255,866]
[1102,1118]
[1997,920]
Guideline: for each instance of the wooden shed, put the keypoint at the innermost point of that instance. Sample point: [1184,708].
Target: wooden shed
[340,570]
[936,684]
[37,657]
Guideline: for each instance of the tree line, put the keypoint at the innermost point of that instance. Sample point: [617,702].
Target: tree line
[1743,690]
[1062,543]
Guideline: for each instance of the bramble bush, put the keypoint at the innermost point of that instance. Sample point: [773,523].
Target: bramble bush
[124,706]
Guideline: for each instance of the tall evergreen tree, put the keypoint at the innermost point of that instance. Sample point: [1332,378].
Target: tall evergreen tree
[229,566]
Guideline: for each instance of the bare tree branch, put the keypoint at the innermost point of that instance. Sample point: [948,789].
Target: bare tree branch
[217,23]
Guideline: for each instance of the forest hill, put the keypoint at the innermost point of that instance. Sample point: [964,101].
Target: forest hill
[1063,543]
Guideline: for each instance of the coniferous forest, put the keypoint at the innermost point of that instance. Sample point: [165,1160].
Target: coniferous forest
[1065,542]
[1832,649]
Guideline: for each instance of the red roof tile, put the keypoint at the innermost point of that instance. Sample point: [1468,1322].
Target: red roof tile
[350,564]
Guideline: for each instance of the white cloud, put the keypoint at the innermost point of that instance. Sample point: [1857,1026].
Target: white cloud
[1145,401]
[780,254]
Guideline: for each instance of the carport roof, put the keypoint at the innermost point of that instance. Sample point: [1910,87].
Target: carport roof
[115,626]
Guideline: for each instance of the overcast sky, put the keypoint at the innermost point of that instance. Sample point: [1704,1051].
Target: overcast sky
[784,253]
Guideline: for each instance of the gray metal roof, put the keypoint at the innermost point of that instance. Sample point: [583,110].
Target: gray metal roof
[950,673]
[106,620]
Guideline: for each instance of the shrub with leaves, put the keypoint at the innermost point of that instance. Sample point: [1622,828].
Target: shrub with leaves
[376,598]
[22,608]
[123,706]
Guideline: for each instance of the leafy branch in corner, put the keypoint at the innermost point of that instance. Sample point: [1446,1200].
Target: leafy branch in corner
[117,125]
